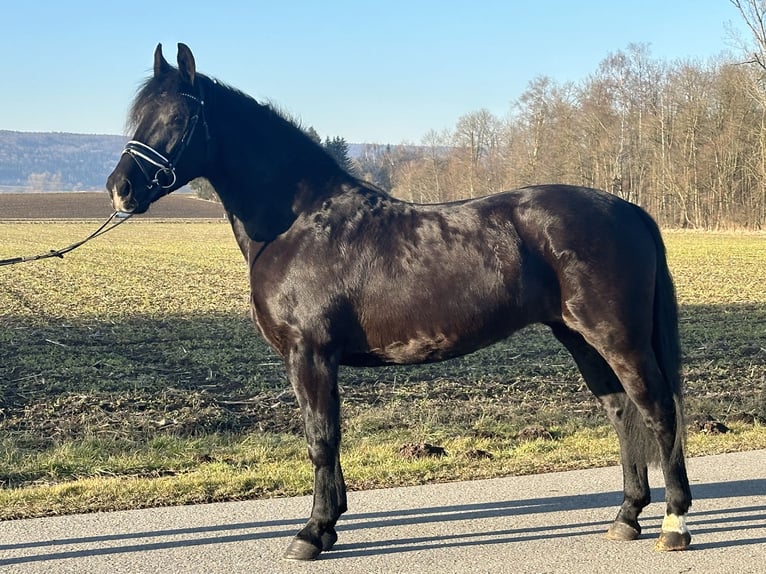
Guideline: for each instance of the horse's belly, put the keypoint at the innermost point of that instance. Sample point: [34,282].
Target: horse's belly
[422,347]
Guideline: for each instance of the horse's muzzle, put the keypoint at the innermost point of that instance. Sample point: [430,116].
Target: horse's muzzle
[123,198]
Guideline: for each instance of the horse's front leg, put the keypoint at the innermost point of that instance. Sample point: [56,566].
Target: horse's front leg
[314,377]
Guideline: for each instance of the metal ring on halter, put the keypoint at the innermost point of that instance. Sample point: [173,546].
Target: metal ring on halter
[156,181]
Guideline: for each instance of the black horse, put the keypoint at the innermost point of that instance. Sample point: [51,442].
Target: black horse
[343,274]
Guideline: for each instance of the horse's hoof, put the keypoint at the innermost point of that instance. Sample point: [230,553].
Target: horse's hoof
[670,541]
[300,549]
[673,534]
[622,531]
[329,539]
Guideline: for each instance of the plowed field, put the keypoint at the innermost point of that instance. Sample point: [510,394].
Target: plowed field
[96,205]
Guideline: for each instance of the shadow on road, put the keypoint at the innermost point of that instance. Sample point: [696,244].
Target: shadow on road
[723,518]
[703,522]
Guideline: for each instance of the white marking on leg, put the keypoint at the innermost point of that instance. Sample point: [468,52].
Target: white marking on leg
[674,523]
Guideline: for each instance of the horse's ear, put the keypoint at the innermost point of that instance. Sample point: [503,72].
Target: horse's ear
[160,63]
[186,63]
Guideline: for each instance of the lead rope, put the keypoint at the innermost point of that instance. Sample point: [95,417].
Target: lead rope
[117,218]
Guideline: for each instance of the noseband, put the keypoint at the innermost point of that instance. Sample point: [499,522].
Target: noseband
[150,160]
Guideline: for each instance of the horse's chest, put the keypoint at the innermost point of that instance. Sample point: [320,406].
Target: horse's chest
[286,314]
[274,331]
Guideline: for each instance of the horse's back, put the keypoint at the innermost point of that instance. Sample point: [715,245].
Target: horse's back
[566,214]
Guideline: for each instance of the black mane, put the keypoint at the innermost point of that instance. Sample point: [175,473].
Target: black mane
[227,103]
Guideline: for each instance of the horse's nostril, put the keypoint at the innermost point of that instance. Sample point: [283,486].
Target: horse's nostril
[121,192]
[126,189]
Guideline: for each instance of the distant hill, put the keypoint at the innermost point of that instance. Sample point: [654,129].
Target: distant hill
[31,161]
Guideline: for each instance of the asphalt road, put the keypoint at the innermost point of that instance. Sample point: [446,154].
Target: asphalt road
[533,524]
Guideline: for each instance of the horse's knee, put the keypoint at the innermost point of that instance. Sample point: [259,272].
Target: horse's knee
[322,453]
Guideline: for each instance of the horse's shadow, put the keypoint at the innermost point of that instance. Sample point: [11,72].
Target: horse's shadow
[732,520]
[703,522]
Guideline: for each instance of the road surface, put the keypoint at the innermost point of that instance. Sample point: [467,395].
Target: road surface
[538,524]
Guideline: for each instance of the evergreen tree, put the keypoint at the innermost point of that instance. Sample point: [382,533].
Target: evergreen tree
[338,148]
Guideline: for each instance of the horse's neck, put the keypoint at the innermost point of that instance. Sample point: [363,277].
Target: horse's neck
[265,207]
[267,172]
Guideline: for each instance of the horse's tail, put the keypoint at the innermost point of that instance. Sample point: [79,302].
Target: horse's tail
[665,343]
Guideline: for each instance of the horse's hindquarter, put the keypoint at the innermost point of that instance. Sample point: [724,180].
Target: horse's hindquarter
[600,249]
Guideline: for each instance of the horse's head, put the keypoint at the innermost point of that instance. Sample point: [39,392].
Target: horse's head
[170,140]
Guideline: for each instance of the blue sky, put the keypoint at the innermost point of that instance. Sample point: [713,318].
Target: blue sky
[386,71]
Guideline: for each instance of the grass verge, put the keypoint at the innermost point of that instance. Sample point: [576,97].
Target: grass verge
[238,468]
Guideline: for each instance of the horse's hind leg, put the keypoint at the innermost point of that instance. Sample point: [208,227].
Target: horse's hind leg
[652,401]
[660,409]
[314,380]
[602,381]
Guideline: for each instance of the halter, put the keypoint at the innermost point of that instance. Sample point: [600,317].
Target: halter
[147,158]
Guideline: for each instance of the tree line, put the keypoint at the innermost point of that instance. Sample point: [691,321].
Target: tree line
[685,140]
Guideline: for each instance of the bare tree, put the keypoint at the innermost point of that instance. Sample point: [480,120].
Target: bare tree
[475,141]
[753,13]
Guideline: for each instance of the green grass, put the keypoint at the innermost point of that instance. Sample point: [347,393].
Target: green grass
[132,377]
[188,471]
